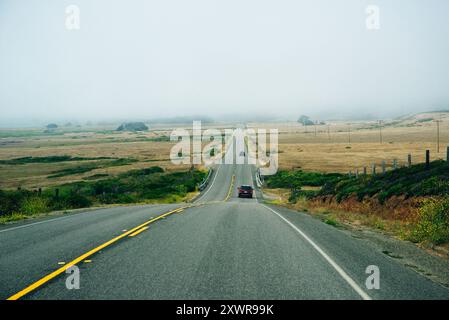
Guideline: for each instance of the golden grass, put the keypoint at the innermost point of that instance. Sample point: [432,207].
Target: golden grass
[335,215]
[79,142]
[334,152]
[86,144]
[297,149]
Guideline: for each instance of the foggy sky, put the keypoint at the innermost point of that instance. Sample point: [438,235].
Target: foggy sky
[152,59]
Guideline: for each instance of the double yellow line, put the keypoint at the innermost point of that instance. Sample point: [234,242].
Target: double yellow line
[133,232]
[230,188]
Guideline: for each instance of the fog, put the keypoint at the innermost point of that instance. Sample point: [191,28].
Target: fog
[221,58]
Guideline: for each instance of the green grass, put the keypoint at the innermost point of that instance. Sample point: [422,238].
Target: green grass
[26,133]
[12,217]
[75,170]
[299,178]
[433,224]
[89,167]
[410,182]
[415,181]
[97,176]
[31,133]
[331,222]
[294,180]
[48,159]
[151,184]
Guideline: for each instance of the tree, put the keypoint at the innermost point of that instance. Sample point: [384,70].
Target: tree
[305,120]
[133,126]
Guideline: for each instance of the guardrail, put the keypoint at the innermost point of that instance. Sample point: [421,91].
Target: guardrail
[259,178]
[203,184]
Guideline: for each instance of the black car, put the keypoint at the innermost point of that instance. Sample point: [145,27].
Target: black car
[245,191]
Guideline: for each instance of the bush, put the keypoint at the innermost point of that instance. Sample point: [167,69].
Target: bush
[34,205]
[130,187]
[297,179]
[10,201]
[78,201]
[411,182]
[433,223]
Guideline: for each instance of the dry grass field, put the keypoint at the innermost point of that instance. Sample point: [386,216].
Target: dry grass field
[341,146]
[151,148]
[336,146]
[92,144]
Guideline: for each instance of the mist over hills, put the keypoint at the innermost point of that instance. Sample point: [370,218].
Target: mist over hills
[228,118]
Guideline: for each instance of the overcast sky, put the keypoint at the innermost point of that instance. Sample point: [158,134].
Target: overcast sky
[148,58]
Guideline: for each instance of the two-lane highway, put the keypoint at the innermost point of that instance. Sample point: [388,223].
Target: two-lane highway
[220,247]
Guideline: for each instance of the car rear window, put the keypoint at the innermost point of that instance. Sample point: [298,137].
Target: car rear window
[246,187]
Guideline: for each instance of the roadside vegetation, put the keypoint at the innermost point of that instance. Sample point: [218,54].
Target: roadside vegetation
[48,159]
[147,185]
[411,201]
[90,166]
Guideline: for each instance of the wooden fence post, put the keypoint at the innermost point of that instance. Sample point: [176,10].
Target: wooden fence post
[374,169]
[427,159]
[409,160]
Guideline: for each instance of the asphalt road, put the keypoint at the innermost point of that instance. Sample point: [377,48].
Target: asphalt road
[219,247]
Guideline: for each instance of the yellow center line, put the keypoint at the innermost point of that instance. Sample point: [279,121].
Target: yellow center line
[132,232]
[57,272]
[138,231]
[230,188]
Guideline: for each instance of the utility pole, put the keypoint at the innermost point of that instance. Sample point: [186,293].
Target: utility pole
[438,134]
[349,133]
[328,132]
[380,131]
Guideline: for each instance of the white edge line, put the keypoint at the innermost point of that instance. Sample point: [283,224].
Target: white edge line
[252,182]
[210,186]
[337,268]
[35,223]
[70,215]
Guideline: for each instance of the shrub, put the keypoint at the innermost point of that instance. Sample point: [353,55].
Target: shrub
[131,187]
[78,201]
[433,223]
[34,205]
[298,178]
